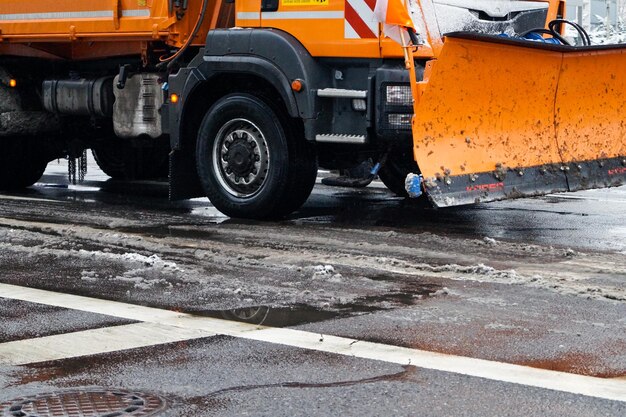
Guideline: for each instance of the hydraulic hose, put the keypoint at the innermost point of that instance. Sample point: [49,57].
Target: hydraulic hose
[581,31]
[172,59]
[552,31]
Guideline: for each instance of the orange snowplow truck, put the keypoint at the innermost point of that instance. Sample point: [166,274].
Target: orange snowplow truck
[242,101]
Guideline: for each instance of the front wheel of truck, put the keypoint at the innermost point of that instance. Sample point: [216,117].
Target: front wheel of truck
[252,159]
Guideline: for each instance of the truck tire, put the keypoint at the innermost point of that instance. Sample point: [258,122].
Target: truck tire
[252,160]
[393,173]
[121,161]
[21,163]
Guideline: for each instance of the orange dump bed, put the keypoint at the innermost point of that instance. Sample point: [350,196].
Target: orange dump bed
[40,27]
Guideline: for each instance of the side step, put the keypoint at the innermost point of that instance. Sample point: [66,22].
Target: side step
[335,137]
[341,93]
[338,138]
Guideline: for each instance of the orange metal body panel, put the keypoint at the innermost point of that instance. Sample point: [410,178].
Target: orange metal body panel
[324,36]
[556,8]
[73,51]
[320,27]
[248,13]
[42,20]
[591,104]
[490,108]
[74,29]
[486,104]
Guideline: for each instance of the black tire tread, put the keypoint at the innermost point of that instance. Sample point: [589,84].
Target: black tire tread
[120,161]
[292,188]
[393,173]
[21,163]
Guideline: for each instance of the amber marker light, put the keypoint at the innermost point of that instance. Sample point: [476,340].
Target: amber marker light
[296,85]
[174,98]
[12,83]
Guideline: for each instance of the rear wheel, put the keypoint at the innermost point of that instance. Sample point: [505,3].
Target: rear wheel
[252,160]
[120,160]
[22,163]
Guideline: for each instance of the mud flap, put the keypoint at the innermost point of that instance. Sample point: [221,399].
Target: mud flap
[183,178]
[499,118]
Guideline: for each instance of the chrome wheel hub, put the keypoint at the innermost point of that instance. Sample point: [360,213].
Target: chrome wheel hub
[241,158]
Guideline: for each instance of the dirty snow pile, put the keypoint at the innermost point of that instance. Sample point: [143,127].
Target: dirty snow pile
[142,283]
[326,273]
[152,261]
[137,276]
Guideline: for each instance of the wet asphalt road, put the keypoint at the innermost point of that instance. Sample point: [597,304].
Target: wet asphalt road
[539,283]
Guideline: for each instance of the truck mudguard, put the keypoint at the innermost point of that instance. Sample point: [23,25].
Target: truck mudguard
[270,54]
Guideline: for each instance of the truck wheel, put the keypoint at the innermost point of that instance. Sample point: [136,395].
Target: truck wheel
[121,161]
[252,160]
[21,164]
[393,173]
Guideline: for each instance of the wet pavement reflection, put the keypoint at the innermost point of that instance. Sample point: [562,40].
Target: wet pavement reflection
[354,263]
[584,221]
[580,219]
[297,314]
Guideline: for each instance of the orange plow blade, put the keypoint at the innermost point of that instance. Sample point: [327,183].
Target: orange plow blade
[499,118]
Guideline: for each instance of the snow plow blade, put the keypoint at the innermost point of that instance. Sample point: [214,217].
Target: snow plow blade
[500,118]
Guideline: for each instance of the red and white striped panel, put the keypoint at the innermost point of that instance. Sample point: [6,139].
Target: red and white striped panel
[360,21]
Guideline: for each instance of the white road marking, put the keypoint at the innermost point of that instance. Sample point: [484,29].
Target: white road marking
[93,342]
[584,197]
[609,389]
[43,200]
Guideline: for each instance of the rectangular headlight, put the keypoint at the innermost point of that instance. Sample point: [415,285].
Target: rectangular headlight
[399,95]
[399,121]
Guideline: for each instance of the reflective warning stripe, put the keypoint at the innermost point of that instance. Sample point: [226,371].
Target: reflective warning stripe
[360,21]
[289,15]
[74,15]
[136,13]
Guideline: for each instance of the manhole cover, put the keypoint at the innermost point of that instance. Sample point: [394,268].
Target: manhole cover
[84,404]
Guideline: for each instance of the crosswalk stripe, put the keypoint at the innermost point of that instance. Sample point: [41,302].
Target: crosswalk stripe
[177,326]
[93,342]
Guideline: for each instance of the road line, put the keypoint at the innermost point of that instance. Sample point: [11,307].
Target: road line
[43,200]
[586,198]
[609,389]
[93,342]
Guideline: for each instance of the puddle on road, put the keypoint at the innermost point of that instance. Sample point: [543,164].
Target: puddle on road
[297,314]
[71,187]
[272,316]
